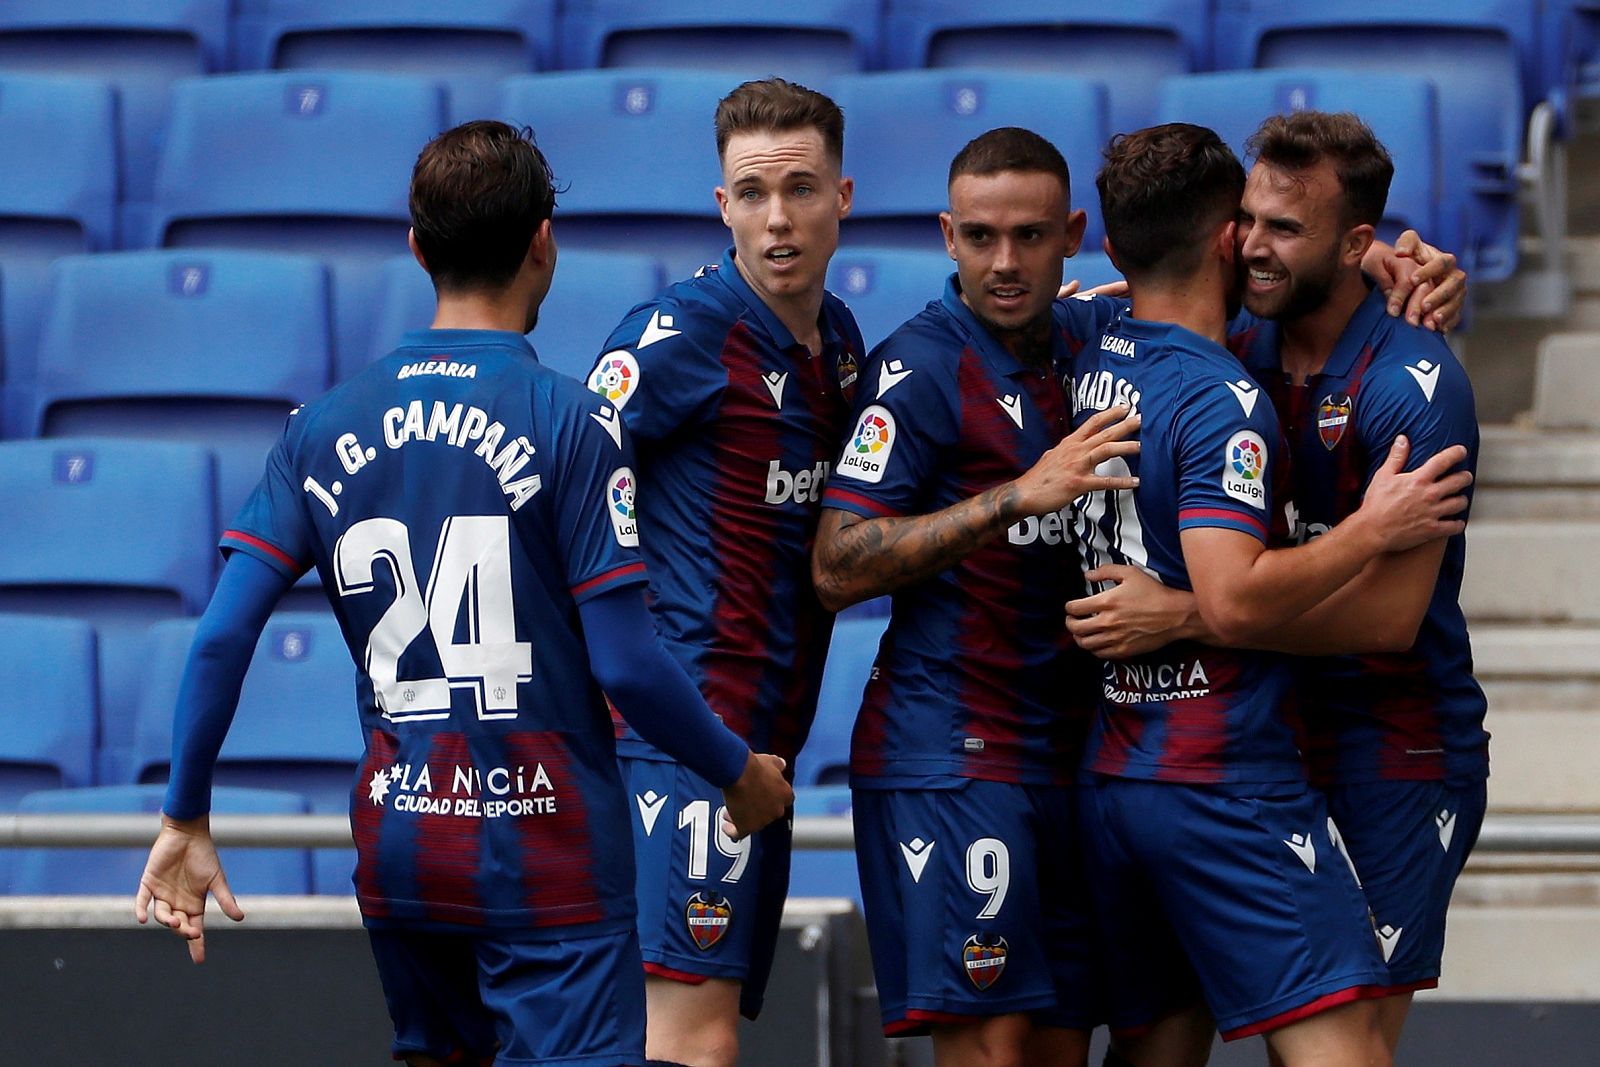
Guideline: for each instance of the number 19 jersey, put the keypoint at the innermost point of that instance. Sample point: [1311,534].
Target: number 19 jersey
[458,501]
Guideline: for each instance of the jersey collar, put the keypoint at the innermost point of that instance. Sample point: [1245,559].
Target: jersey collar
[776,330]
[1164,333]
[437,339]
[999,357]
[1369,315]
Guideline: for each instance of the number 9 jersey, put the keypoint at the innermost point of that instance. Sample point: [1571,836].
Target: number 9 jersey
[458,501]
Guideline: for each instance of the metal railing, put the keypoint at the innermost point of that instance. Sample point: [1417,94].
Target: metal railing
[1530,834]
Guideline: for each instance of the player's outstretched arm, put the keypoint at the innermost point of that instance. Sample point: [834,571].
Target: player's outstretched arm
[183,867]
[657,698]
[857,558]
[1243,590]
[1420,280]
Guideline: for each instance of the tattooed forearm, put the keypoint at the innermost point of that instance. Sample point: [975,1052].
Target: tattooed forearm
[856,559]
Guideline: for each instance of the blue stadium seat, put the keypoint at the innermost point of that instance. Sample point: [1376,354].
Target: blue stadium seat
[636,155]
[48,676]
[309,162]
[296,727]
[206,346]
[824,872]
[119,533]
[884,286]
[53,871]
[591,293]
[1400,108]
[468,44]
[139,46]
[1478,53]
[58,198]
[803,42]
[825,759]
[1130,45]
[1569,52]
[904,128]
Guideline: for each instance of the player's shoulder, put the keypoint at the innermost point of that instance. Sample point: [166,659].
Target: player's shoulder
[1083,315]
[695,313]
[930,341]
[1413,363]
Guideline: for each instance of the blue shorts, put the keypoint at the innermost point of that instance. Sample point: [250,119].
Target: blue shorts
[976,906]
[1243,900]
[1409,841]
[709,907]
[498,997]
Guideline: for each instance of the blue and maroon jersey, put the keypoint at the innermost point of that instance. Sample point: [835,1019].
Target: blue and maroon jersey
[459,501]
[976,677]
[737,425]
[1211,457]
[1412,715]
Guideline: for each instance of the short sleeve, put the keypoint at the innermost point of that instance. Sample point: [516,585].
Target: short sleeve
[593,510]
[1081,319]
[661,370]
[1425,396]
[905,413]
[1226,440]
[272,525]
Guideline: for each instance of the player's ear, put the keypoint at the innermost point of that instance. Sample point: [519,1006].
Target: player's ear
[722,205]
[1357,239]
[1111,254]
[1076,221]
[416,249]
[1227,239]
[847,192]
[948,228]
[542,248]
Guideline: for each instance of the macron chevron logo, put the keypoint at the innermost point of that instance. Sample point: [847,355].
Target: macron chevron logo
[891,374]
[650,805]
[609,422]
[916,855]
[1013,406]
[1446,821]
[1427,376]
[659,328]
[775,383]
[1246,394]
[1305,848]
[1388,938]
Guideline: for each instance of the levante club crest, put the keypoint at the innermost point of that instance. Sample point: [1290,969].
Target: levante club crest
[707,920]
[984,963]
[1333,415]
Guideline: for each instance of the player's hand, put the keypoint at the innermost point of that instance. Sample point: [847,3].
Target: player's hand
[761,795]
[1067,471]
[1116,288]
[1407,510]
[1137,614]
[182,868]
[1422,282]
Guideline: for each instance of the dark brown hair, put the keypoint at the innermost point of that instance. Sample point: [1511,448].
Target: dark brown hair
[778,106]
[1011,148]
[1163,191]
[478,194]
[1300,141]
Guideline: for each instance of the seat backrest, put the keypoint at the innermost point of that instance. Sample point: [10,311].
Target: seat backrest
[803,42]
[468,44]
[139,46]
[296,725]
[1400,108]
[48,740]
[1129,46]
[52,871]
[904,128]
[825,760]
[884,286]
[636,154]
[208,346]
[1475,52]
[590,294]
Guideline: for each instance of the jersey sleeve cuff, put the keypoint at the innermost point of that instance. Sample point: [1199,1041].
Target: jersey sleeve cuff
[1223,518]
[842,499]
[265,551]
[615,578]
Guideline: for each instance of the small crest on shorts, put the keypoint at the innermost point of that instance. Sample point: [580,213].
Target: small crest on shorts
[984,962]
[1333,415]
[708,920]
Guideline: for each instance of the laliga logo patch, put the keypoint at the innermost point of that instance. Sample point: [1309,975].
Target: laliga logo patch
[1333,415]
[984,963]
[624,520]
[868,451]
[708,920]
[615,377]
[1244,470]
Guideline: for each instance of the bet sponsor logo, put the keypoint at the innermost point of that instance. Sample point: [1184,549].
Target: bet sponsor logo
[802,486]
[619,505]
[867,454]
[1244,469]
[616,377]
[1051,528]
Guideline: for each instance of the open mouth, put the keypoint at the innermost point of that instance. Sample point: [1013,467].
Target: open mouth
[783,254]
[1265,279]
